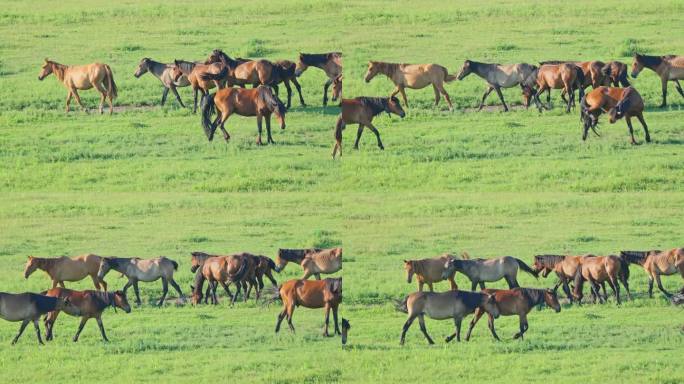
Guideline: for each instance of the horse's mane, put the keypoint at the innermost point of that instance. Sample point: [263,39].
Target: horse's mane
[649,61]
[44,303]
[637,256]
[534,296]
[334,285]
[225,59]
[376,104]
[549,261]
[417,266]
[318,59]
[471,299]
[295,255]
[116,262]
[102,299]
[185,66]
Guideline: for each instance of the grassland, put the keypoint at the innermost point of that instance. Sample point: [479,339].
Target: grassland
[145,182]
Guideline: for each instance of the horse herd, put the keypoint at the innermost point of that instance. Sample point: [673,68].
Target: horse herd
[223,72]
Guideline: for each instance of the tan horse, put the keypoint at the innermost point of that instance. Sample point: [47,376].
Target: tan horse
[331,64]
[656,264]
[238,269]
[599,269]
[619,103]
[414,76]
[567,77]
[64,268]
[429,271]
[314,261]
[75,77]
[325,293]
[669,68]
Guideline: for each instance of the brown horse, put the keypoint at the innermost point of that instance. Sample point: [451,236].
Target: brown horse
[325,293]
[597,269]
[75,77]
[86,305]
[414,76]
[314,261]
[264,266]
[567,77]
[595,72]
[259,102]
[362,110]
[668,67]
[192,72]
[502,76]
[238,269]
[241,71]
[444,305]
[617,73]
[429,271]
[516,301]
[657,263]
[63,269]
[618,102]
[331,64]
[28,307]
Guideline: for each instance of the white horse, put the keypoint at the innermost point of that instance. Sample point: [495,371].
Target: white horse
[145,270]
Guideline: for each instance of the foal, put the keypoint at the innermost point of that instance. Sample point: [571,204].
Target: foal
[163,72]
[362,110]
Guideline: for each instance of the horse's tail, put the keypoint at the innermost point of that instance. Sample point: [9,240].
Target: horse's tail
[401,305]
[527,268]
[271,263]
[578,279]
[274,292]
[622,77]
[624,268]
[175,264]
[207,111]
[222,75]
[111,85]
[579,81]
[447,77]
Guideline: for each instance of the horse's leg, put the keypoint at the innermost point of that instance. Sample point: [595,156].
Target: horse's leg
[102,330]
[452,283]
[640,116]
[35,325]
[337,328]
[78,99]
[176,287]
[484,97]
[405,328]
[325,91]
[327,320]
[650,287]
[137,292]
[96,282]
[290,312]
[624,282]
[194,108]
[61,284]
[420,286]
[660,286]
[80,328]
[21,330]
[678,87]
[271,278]
[224,117]
[269,139]
[377,135]
[358,136]
[68,101]
[613,282]
[482,285]
[523,326]
[446,96]
[175,93]
[318,276]
[103,95]
[421,322]
[339,127]
[299,90]
[498,92]
[664,86]
[476,317]
[566,289]
[259,122]
[164,94]
[403,95]
[225,288]
[165,290]
[281,316]
[474,285]
[289,93]
[628,120]
[434,87]
[429,283]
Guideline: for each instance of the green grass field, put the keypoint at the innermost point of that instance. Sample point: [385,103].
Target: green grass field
[145,182]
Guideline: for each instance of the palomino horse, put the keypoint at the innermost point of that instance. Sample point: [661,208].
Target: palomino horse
[516,301]
[241,71]
[657,263]
[331,64]
[669,68]
[501,76]
[63,269]
[259,102]
[192,72]
[326,293]
[86,305]
[567,77]
[163,72]
[145,270]
[618,102]
[345,330]
[362,110]
[28,307]
[75,77]
[444,305]
[314,261]
[480,271]
[414,76]
[597,269]
[429,271]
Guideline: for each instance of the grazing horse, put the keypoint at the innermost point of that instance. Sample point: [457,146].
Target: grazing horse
[501,76]
[314,261]
[28,307]
[86,305]
[362,110]
[331,64]
[75,77]
[145,270]
[567,77]
[597,269]
[619,103]
[657,263]
[163,72]
[259,102]
[617,73]
[668,67]
[516,301]
[454,305]
[480,271]
[345,330]
[192,72]
[240,71]
[325,293]
[414,76]
[429,271]
[64,268]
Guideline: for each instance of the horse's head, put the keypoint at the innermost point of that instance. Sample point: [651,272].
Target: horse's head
[196,261]
[614,114]
[121,301]
[62,303]
[551,299]
[45,69]
[450,266]
[408,267]
[280,261]
[176,72]
[490,305]
[394,106]
[196,295]
[540,267]
[31,266]
[465,70]
[373,69]
[337,88]
[345,330]
[143,67]
[637,65]
[527,94]
[301,66]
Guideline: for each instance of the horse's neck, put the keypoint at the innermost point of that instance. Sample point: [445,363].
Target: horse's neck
[59,70]
[389,69]
[157,68]
[483,69]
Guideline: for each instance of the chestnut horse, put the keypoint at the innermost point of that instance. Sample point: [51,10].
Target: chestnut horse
[264,266]
[64,268]
[238,268]
[516,301]
[501,76]
[567,77]
[618,102]
[75,77]
[668,67]
[657,263]
[314,261]
[325,293]
[86,305]
[429,271]
[28,307]
[163,72]
[259,102]
[414,76]
[331,64]
[597,269]
[362,110]
[193,71]
[596,73]
[241,71]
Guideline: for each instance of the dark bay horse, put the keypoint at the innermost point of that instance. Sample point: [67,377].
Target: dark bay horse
[618,103]
[362,110]
[444,305]
[501,76]
[331,64]
[480,271]
[259,102]
[86,305]
[326,293]
[193,71]
[28,307]
[668,68]
[516,302]
[75,77]
[61,269]
[163,72]
[657,263]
